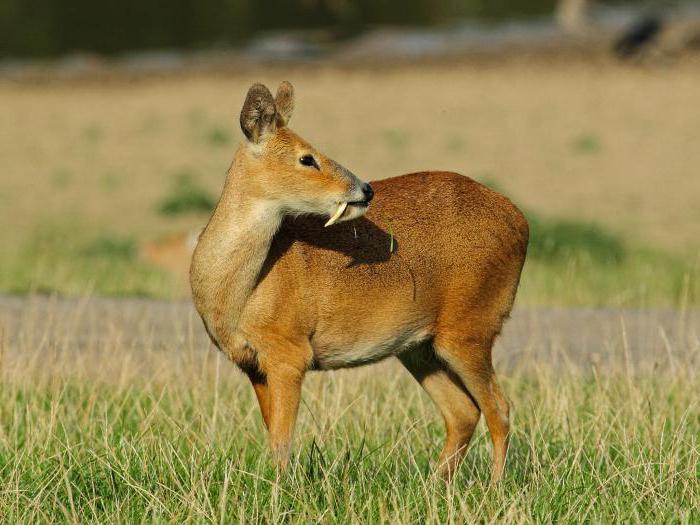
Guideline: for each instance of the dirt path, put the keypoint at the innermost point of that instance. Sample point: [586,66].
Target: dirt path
[533,338]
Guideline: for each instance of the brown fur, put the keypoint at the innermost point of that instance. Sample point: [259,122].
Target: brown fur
[428,275]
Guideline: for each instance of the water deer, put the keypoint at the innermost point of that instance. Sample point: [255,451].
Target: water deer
[302,268]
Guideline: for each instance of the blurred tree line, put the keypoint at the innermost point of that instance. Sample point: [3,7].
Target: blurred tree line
[44,28]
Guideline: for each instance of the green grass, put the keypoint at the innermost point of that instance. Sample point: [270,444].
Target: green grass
[569,263]
[97,440]
[580,263]
[56,260]
[646,278]
[396,140]
[557,240]
[93,133]
[110,247]
[186,196]
[61,179]
[218,136]
[586,144]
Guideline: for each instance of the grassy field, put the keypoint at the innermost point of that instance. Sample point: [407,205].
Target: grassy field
[570,262]
[592,150]
[135,421]
[110,414]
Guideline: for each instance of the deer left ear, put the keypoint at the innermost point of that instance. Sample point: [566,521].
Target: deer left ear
[258,115]
[284,102]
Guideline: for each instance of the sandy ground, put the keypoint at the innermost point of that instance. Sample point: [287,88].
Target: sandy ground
[98,330]
[590,139]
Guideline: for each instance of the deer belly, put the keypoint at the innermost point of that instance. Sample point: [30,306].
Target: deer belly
[350,353]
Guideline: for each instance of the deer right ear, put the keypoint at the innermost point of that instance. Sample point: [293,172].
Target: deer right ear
[284,102]
[258,116]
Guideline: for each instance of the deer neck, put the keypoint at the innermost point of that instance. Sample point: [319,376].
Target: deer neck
[231,252]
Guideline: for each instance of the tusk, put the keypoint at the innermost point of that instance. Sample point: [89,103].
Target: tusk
[341,209]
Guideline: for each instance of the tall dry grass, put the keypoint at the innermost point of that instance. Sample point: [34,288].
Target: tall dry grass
[111,414]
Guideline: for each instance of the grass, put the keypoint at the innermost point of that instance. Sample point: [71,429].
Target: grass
[613,145]
[569,262]
[576,262]
[111,247]
[97,427]
[586,144]
[93,133]
[645,279]
[186,196]
[120,434]
[219,136]
[55,260]
[557,240]
[396,140]
[61,179]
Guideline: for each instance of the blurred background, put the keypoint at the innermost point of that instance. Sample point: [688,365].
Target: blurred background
[119,121]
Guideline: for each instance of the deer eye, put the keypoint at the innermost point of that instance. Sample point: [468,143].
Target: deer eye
[308,160]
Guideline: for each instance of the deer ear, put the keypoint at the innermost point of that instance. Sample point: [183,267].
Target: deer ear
[284,102]
[258,115]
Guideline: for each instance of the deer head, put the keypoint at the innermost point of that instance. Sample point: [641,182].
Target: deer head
[288,170]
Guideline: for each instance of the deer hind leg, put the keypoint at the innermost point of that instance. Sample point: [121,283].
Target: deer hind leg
[458,409]
[470,360]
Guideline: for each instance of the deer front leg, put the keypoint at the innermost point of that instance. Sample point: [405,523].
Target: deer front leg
[284,394]
[281,363]
[259,383]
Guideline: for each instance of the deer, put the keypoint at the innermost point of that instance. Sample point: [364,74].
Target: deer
[302,268]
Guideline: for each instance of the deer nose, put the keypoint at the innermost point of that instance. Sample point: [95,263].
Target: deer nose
[367,191]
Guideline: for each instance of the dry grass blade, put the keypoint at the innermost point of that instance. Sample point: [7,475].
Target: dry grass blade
[143,433]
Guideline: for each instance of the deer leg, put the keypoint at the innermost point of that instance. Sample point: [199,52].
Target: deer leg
[262,392]
[472,363]
[458,409]
[284,394]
